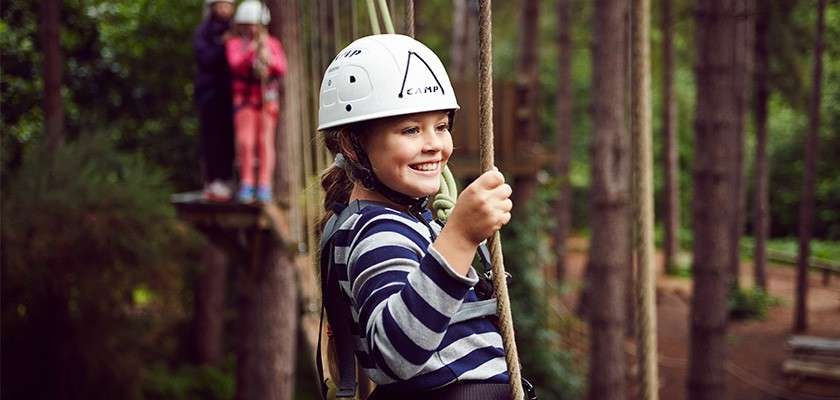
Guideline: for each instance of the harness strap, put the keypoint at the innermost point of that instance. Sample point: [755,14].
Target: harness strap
[473,310]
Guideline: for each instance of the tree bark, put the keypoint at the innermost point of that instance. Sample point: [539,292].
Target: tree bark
[563,203]
[609,213]
[744,30]
[715,134]
[806,207]
[295,114]
[267,325]
[210,306]
[463,52]
[52,69]
[761,208]
[671,160]
[527,80]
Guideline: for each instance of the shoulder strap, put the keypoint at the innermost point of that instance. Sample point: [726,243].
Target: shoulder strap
[340,321]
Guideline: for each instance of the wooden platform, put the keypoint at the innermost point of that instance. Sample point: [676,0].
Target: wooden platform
[213,217]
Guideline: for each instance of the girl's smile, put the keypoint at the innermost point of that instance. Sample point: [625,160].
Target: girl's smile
[408,152]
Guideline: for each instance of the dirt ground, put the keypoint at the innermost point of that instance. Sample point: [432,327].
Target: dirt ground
[756,349]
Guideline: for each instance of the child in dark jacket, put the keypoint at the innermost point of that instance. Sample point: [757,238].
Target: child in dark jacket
[257,63]
[213,99]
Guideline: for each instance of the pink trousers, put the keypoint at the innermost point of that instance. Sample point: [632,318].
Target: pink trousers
[255,142]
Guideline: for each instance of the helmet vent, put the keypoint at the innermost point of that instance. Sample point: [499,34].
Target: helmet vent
[348,107]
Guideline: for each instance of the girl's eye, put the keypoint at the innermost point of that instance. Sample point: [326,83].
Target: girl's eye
[442,127]
[411,131]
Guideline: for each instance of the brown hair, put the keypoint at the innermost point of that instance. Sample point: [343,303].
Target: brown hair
[335,181]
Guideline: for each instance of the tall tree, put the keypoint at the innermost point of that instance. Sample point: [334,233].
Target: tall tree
[744,30]
[715,134]
[761,207]
[609,208]
[53,64]
[463,52]
[563,202]
[527,94]
[209,295]
[671,160]
[806,207]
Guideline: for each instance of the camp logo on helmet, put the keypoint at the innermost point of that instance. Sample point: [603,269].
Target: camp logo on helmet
[414,88]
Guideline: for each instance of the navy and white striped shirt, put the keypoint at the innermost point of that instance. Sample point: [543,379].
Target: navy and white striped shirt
[403,296]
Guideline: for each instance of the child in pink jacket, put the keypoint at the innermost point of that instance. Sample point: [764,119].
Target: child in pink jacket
[257,63]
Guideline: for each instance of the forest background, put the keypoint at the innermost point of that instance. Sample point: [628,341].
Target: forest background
[98,274]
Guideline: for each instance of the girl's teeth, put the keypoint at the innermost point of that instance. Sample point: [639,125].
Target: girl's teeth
[426,167]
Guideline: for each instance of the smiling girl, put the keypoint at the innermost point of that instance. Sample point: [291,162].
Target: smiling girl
[399,287]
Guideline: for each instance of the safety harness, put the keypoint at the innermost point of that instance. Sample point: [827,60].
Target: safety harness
[337,304]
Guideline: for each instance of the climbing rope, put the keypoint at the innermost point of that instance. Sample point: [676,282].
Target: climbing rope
[642,160]
[485,115]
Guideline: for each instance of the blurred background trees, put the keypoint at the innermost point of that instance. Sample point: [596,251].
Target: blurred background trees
[98,276]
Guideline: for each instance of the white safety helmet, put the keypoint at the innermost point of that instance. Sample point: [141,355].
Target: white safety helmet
[382,76]
[208,3]
[252,12]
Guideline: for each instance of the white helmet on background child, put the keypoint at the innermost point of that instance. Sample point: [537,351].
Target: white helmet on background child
[382,76]
[209,3]
[252,12]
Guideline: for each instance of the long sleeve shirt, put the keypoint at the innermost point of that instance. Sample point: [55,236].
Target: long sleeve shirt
[404,295]
[247,86]
[213,74]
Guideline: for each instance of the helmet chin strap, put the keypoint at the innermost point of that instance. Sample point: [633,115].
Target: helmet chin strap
[362,171]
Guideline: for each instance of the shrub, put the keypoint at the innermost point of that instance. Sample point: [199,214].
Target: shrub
[84,228]
[752,303]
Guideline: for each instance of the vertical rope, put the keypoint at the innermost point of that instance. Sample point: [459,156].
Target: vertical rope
[485,90]
[642,159]
[374,22]
[386,17]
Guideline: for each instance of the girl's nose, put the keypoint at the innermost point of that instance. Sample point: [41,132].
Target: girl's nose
[432,142]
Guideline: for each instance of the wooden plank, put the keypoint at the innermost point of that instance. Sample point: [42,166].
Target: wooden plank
[814,343]
[811,369]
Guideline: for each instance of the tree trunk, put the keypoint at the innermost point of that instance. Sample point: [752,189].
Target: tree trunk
[463,52]
[210,306]
[527,80]
[419,22]
[744,30]
[671,160]
[267,327]
[457,61]
[563,203]
[761,208]
[295,114]
[715,134]
[806,207]
[609,213]
[53,64]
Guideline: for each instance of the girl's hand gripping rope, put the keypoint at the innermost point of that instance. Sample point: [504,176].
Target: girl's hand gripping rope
[482,208]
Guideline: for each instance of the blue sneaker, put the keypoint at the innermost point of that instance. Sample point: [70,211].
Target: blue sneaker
[264,194]
[245,194]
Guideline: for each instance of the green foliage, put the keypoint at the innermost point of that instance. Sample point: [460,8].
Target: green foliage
[526,249]
[190,382]
[84,228]
[127,74]
[752,303]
